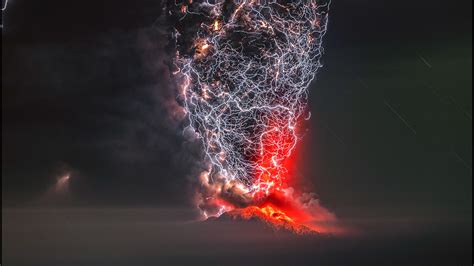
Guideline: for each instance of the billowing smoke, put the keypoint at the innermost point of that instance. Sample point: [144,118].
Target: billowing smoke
[243,68]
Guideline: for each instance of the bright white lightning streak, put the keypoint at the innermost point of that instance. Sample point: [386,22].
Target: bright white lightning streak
[4,7]
[245,87]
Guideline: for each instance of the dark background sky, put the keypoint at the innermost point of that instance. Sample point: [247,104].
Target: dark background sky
[84,90]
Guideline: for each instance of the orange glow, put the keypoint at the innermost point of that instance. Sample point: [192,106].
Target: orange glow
[202,48]
[274,217]
[217,25]
[283,211]
[273,213]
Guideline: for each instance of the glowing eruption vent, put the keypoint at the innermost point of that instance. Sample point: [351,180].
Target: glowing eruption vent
[243,68]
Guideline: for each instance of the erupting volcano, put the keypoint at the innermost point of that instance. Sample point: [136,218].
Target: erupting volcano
[243,68]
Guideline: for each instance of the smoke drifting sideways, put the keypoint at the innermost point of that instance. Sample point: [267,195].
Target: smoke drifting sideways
[242,69]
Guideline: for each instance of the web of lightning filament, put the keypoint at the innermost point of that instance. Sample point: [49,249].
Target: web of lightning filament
[245,104]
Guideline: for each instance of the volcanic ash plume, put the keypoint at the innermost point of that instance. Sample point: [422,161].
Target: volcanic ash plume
[243,68]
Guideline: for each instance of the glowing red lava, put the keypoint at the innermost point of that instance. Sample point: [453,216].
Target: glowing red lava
[272,216]
[282,210]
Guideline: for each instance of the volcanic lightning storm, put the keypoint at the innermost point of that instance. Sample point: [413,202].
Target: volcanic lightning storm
[243,68]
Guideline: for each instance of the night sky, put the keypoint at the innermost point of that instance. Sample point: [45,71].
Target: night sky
[85,91]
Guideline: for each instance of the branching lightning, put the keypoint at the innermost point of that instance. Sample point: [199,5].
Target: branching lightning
[243,68]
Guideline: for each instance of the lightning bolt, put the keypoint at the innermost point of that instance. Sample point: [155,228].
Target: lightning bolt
[4,8]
